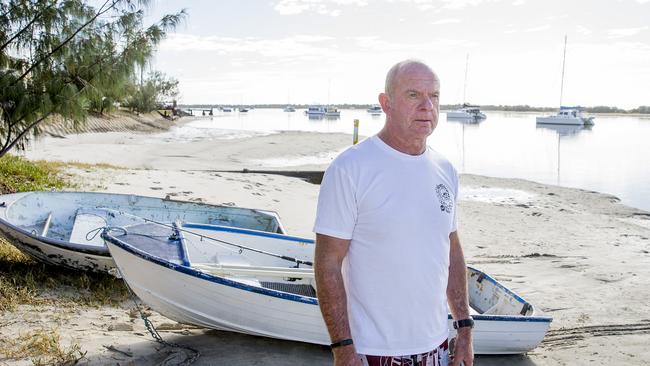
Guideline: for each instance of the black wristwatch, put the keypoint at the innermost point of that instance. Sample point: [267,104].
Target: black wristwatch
[469,322]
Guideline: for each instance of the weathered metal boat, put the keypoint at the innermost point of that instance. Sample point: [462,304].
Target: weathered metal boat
[263,284]
[62,228]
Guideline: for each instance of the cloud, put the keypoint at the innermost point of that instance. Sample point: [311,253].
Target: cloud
[448,4]
[323,7]
[538,29]
[625,32]
[299,46]
[583,30]
[518,2]
[446,21]
[377,44]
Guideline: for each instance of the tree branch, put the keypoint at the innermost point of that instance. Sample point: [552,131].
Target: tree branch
[22,134]
[25,28]
[43,58]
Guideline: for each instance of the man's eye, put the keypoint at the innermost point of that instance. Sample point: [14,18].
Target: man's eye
[413,95]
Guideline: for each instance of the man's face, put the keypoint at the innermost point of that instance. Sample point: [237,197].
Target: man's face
[412,108]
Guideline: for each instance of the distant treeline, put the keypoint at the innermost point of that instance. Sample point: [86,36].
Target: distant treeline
[488,107]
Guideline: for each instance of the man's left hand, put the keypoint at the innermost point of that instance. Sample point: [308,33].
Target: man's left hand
[463,350]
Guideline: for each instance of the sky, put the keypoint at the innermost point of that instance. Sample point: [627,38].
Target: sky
[338,51]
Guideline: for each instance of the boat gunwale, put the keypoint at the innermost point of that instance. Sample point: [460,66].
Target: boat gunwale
[22,195]
[239,230]
[94,250]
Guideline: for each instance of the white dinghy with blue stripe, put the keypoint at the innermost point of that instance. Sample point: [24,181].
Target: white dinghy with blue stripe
[61,228]
[262,283]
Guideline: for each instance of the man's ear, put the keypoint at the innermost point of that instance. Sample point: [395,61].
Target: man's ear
[384,101]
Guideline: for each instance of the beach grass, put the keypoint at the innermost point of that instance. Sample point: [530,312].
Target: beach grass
[19,175]
[41,347]
[24,280]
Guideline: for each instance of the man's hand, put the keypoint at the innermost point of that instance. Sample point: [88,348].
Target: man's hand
[346,356]
[463,350]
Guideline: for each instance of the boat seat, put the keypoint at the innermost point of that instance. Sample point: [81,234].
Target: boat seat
[232,259]
[84,222]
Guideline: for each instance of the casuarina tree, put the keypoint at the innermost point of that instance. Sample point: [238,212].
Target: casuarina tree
[66,58]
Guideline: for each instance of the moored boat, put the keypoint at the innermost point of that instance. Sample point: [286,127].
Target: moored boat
[315,111]
[62,228]
[467,112]
[332,112]
[375,110]
[263,284]
[567,116]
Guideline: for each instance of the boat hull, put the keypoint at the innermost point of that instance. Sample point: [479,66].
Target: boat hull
[21,226]
[188,295]
[56,252]
[552,120]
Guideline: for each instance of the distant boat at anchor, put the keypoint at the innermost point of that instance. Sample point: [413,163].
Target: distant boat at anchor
[566,115]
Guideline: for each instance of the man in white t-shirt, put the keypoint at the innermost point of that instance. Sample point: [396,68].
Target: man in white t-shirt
[388,259]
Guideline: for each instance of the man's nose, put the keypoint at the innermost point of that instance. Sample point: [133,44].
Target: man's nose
[427,103]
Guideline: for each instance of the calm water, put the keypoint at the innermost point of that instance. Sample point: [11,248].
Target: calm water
[612,156]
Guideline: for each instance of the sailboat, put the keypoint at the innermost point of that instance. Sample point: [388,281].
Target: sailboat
[466,112]
[289,107]
[566,115]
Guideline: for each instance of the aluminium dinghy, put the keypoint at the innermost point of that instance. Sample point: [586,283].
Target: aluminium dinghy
[62,228]
[263,284]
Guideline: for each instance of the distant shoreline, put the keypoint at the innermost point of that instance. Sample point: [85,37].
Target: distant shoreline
[446,107]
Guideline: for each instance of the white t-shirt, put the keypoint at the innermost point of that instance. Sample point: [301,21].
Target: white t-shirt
[398,210]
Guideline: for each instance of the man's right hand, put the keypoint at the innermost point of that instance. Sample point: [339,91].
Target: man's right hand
[346,356]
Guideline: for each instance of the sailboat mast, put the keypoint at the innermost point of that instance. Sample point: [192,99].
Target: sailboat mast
[465,83]
[562,82]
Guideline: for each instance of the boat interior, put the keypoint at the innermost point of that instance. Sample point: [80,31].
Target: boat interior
[70,216]
[209,249]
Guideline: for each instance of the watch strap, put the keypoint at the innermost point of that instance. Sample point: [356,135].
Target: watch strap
[341,343]
[469,322]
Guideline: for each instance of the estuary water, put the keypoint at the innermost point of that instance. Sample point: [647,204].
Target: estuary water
[613,156]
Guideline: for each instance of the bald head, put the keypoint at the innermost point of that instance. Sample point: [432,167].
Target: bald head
[399,68]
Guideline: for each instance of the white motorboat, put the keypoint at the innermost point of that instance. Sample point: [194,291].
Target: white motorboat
[567,116]
[62,228]
[263,284]
[315,111]
[289,109]
[332,112]
[375,110]
[467,112]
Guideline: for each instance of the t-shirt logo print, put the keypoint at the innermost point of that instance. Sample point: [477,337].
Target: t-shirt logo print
[444,197]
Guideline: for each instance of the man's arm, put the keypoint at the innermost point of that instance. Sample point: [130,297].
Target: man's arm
[328,259]
[459,302]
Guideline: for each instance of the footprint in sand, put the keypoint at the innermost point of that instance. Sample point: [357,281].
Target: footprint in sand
[156,188]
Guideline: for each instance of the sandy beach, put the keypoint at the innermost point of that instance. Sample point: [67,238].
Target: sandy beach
[579,256]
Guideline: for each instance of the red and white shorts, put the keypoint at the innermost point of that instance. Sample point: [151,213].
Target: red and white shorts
[436,357]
